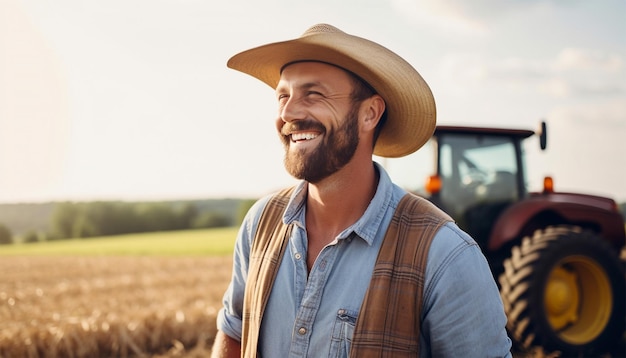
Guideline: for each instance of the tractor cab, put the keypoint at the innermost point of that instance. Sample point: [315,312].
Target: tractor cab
[479,173]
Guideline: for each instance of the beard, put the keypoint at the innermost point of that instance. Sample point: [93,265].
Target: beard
[333,153]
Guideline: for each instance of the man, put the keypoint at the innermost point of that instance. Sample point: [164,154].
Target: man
[336,291]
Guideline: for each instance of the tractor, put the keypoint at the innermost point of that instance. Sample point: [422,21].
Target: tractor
[555,256]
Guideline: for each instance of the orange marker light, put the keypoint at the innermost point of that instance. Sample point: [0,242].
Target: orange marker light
[548,185]
[433,184]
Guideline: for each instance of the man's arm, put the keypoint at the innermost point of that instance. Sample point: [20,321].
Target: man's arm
[225,347]
[463,311]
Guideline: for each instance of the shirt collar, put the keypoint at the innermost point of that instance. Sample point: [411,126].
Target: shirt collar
[368,224]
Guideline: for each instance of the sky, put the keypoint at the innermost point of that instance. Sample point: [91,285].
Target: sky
[132,99]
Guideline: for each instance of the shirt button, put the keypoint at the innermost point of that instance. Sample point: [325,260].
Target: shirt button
[298,256]
[302,331]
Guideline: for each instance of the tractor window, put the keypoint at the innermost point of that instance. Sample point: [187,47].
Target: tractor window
[484,167]
[497,157]
[479,176]
[445,163]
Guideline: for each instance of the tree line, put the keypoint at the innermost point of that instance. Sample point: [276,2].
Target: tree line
[92,219]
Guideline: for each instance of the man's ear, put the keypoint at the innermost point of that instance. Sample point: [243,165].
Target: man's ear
[372,110]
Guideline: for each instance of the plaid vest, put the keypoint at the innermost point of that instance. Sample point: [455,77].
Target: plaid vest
[388,324]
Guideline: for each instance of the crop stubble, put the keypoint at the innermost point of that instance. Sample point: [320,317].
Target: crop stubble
[110,306]
[114,306]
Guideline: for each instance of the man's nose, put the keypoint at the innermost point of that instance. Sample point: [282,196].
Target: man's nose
[292,110]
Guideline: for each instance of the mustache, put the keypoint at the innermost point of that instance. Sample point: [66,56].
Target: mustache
[301,125]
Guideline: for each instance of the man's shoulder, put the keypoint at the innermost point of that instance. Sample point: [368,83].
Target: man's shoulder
[281,196]
[269,207]
[450,234]
[418,207]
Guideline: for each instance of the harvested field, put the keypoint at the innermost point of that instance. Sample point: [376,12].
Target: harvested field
[104,306]
[110,306]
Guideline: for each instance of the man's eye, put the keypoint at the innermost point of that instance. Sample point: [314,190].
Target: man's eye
[313,93]
[282,97]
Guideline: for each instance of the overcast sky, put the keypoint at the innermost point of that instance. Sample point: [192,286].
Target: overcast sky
[132,100]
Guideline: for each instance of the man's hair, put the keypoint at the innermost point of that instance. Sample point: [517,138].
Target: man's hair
[362,90]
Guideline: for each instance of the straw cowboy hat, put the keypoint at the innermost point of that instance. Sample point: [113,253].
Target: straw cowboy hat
[410,104]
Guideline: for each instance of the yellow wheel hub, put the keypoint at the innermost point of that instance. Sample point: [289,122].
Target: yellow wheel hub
[578,299]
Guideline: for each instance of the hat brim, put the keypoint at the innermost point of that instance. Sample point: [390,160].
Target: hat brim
[411,112]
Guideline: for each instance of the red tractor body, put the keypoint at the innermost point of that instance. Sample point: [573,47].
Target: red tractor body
[555,255]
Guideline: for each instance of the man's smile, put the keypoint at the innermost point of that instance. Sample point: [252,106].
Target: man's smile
[303,136]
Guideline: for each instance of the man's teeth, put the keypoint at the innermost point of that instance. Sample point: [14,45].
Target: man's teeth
[302,136]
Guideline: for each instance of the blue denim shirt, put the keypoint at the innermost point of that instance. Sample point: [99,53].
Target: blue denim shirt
[314,314]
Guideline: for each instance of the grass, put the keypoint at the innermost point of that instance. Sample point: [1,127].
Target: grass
[217,241]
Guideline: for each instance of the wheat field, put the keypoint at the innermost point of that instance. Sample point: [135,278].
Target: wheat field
[115,306]
[106,306]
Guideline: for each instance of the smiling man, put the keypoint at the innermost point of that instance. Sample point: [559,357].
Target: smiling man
[347,263]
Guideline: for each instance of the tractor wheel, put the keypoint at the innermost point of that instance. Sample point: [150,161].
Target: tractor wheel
[563,289]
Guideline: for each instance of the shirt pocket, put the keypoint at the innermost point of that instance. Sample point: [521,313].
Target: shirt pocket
[343,329]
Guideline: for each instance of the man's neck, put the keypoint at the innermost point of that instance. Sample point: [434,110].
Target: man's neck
[336,203]
[341,199]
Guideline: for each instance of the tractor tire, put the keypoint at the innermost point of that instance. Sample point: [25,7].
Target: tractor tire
[564,289]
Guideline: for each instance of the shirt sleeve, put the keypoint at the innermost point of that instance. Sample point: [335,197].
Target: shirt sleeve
[229,316]
[462,314]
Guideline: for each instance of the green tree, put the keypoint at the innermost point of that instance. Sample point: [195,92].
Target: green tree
[186,215]
[6,237]
[211,219]
[62,219]
[31,236]
[156,217]
[83,227]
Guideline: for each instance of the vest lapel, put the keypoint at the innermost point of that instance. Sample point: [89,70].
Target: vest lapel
[388,324]
[266,254]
